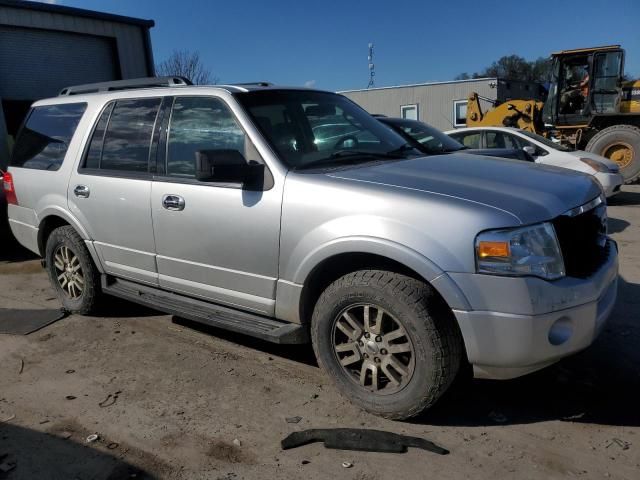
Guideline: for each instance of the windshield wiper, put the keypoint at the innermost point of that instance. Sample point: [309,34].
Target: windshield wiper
[350,157]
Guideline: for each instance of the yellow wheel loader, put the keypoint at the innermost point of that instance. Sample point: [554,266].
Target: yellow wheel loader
[588,107]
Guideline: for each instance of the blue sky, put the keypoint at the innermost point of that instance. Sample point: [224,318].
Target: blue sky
[325,43]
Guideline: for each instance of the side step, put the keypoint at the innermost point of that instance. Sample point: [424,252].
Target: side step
[204,312]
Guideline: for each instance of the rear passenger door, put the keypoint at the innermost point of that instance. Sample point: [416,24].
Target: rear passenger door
[111,189]
[215,241]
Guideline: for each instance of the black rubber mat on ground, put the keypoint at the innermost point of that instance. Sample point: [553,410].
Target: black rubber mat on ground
[17,321]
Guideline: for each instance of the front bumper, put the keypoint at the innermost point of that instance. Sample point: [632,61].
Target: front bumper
[518,325]
[611,182]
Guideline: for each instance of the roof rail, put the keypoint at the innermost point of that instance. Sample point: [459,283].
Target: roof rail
[147,82]
[257,84]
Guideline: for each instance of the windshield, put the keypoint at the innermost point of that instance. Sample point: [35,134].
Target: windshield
[545,141]
[309,128]
[430,140]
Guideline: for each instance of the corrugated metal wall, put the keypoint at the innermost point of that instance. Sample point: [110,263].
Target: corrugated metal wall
[130,39]
[435,100]
[42,51]
[38,63]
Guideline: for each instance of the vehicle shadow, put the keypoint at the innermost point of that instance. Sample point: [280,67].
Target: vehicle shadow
[600,385]
[297,353]
[42,455]
[625,197]
[12,251]
[616,225]
[114,307]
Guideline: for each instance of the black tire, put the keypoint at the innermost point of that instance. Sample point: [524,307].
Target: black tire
[619,136]
[429,325]
[67,238]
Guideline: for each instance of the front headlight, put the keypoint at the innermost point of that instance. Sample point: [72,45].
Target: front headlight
[532,250]
[596,165]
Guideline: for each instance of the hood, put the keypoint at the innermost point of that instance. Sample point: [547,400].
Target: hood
[533,193]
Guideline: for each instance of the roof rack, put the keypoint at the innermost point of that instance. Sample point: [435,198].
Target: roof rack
[257,84]
[147,82]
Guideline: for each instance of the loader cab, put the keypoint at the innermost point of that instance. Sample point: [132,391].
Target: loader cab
[584,83]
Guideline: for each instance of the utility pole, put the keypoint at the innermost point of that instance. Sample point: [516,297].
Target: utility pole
[372,72]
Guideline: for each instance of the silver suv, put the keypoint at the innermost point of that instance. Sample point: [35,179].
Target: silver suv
[226,205]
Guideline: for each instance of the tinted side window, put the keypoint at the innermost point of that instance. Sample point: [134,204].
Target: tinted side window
[43,141]
[128,136]
[470,140]
[499,140]
[200,123]
[94,154]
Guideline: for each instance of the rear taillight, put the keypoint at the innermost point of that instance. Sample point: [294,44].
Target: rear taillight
[9,189]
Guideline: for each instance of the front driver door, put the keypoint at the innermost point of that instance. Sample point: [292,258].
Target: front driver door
[218,242]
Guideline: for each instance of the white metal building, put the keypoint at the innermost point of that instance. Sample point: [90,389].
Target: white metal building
[441,104]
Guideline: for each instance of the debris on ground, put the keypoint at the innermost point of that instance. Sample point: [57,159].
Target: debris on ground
[293,419]
[110,400]
[70,397]
[621,443]
[92,438]
[360,439]
[7,466]
[8,419]
[237,442]
[347,464]
[21,366]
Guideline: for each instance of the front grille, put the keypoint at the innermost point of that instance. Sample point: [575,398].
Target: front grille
[583,242]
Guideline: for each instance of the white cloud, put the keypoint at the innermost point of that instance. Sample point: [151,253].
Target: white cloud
[310,83]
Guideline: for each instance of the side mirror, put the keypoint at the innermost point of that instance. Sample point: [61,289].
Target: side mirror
[530,150]
[229,166]
[220,166]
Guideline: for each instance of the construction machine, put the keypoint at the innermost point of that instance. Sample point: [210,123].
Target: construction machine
[589,106]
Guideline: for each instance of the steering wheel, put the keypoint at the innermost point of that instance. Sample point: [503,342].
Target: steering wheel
[343,139]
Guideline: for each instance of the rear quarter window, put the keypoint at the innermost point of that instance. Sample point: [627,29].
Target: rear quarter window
[43,141]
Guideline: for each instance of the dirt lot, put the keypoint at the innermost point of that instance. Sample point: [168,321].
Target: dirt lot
[169,398]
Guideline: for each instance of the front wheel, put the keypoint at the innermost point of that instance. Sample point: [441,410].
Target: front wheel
[388,341]
[72,273]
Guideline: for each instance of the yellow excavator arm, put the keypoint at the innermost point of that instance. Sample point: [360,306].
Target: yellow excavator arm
[522,114]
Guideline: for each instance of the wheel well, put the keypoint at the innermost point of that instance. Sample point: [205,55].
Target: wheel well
[335,267]
[48,225]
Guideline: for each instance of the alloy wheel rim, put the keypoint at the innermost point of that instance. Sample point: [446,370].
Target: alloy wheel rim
[68,272]
[373,349]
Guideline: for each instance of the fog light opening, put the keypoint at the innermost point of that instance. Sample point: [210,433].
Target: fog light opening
[560,331]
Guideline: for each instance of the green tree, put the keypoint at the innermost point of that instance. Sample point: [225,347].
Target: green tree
[514,67]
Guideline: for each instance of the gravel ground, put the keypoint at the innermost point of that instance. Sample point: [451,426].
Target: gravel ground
[171,399]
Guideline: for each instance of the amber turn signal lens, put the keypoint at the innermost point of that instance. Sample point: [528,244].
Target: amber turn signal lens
[493,249]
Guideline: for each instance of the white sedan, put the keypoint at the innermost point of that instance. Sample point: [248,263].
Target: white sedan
[543,151]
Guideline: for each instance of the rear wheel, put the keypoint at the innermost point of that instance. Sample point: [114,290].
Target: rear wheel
[621,144]
[71,270]
[389,342]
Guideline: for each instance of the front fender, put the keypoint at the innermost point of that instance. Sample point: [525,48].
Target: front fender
[365,244]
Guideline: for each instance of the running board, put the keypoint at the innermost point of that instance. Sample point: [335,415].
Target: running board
[200,311]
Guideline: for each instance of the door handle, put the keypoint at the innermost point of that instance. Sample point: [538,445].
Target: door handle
[81,191]
[173,202]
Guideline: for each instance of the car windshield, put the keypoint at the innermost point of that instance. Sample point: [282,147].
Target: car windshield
[545,141]
[310,129]
[429,139]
